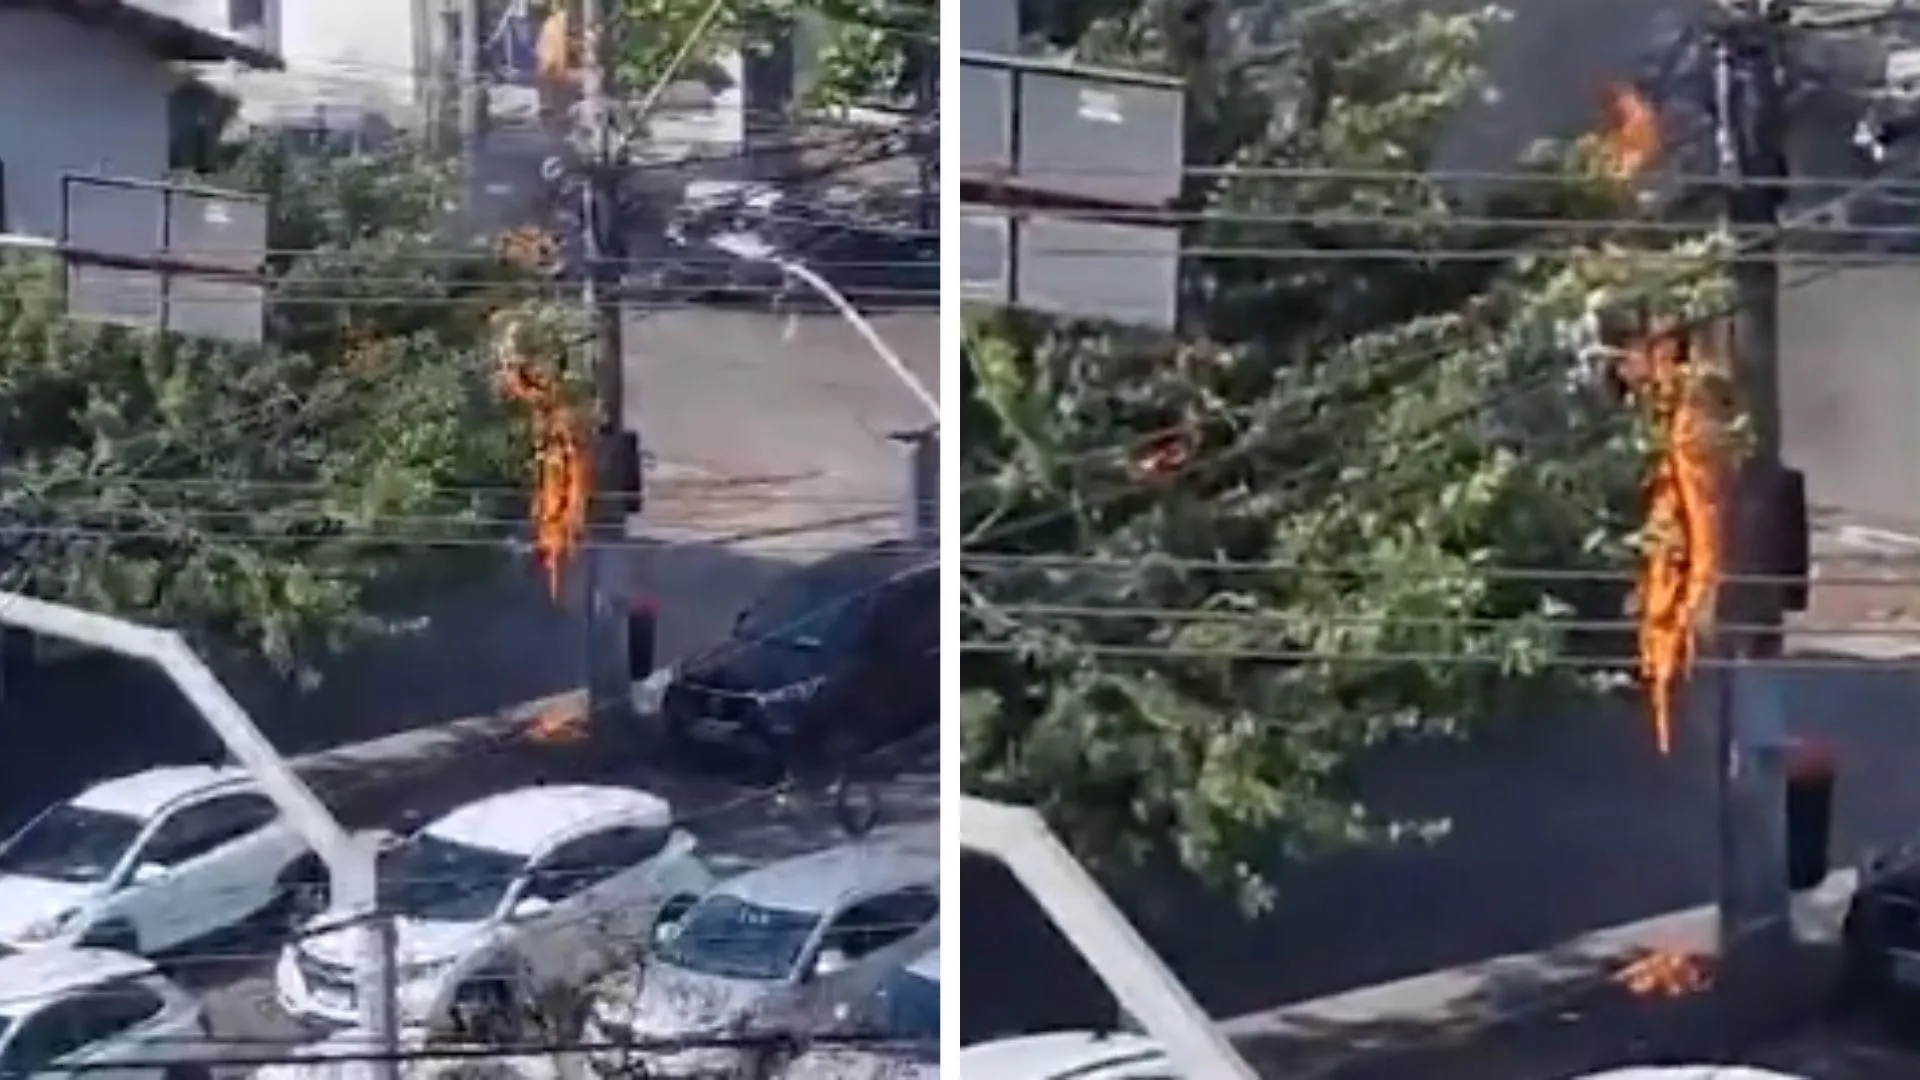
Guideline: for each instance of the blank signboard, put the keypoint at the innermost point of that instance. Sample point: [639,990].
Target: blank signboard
[990,26]
[1100,138]
[216,228]
[986,119]
[1094,270]
[984,253]
[114,217]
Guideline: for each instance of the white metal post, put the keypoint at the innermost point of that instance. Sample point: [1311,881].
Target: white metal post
[1140,982]
[756,250]
[350,862]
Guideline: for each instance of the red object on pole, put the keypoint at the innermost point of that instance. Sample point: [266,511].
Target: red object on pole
[642,620]
[1812,770]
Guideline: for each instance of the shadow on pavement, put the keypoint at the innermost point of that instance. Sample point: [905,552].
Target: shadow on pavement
[1561,825]
[491,644]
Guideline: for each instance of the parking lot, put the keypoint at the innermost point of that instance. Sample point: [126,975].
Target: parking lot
[233,977]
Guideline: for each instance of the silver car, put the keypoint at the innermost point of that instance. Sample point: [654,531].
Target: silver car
[785,950]
[904,1010]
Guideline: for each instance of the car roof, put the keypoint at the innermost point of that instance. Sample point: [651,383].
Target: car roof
[1058,1054]
[37,976]
[142,794]
[819,881]
[524,821]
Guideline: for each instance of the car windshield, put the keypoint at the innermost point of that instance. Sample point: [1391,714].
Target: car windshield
[431,877]
[814,608]
[910,1008]
[70,843]
[728,937]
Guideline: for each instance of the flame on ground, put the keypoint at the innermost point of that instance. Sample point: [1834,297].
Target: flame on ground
[1665,973]
[562,722]
[1681,560]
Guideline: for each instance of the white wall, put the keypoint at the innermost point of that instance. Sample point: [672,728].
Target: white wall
[74,100]
[344,58]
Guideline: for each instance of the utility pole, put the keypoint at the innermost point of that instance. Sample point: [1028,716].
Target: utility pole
[1756,929]
[616,454]
[472,94]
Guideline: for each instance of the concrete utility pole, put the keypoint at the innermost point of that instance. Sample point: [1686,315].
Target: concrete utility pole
[616,457]
[472,94]
[1756,928]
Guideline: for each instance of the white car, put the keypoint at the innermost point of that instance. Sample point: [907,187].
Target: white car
[503,899]
[152,861]
[777,950]
[1068,1055]
[89,1012]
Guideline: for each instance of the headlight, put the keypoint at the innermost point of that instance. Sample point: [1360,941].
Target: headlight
[798,691]
[424,969]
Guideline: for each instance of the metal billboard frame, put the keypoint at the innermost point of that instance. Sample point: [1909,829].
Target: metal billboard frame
[161,264]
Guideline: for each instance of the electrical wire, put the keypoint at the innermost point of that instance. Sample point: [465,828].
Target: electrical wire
[337,1054]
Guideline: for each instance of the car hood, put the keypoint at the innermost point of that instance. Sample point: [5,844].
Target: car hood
[25,901]
[674,1001]
[739,667]
[334,939]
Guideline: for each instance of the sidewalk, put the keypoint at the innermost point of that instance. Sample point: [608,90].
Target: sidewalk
[1537,1016]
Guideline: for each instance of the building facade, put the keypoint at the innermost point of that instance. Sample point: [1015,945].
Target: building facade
[88,93]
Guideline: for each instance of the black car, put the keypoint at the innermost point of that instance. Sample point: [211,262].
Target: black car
[836,662]
[1880,938]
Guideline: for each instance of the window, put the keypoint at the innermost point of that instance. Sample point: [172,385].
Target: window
[589,860]
[117,1008]
[70,843]
[874,924]
[199,828]
[72,1024]
[244,14]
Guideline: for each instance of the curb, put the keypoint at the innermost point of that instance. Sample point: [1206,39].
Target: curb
[436,742]
[1552,1012]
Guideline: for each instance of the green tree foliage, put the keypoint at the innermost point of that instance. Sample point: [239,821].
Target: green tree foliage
[252,496]
[1353,440]
[867,48]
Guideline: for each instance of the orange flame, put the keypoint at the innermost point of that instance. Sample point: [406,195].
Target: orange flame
[563,722]
[562,470]
[1630,138]
[1665,973]
[1681,564]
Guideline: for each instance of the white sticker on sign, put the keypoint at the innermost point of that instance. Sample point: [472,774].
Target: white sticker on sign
[1100,106]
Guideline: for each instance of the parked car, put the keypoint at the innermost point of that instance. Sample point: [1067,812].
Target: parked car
[94,1012]
[837,658]
[903,1009]
[152,861]
[502,899]
[779,951]
[1068,1055]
